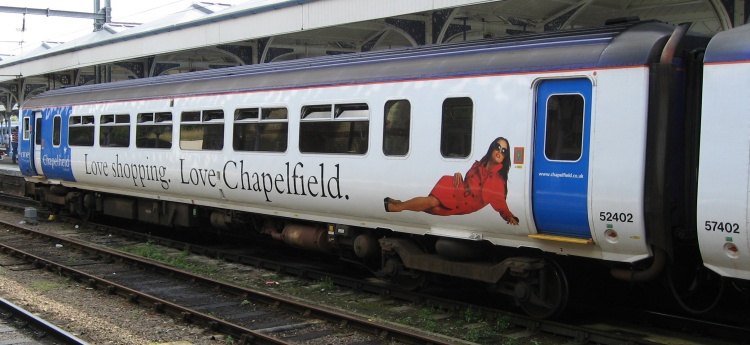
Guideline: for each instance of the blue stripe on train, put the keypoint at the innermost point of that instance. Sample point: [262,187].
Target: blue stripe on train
[55,155]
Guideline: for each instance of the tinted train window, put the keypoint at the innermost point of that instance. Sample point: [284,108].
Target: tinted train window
[202,130]
[260,129]
[56,130]
[396,128]
[339,128]
[38,129]
[26,128]
[455,134]
[114,130]
[154,130]
[564,138]
[81,130]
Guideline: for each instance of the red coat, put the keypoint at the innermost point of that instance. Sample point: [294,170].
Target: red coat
[480,187]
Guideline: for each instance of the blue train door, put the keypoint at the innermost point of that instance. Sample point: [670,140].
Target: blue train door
[36,142]
[561,158]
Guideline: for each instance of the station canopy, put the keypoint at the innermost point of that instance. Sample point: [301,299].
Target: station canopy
[209,35]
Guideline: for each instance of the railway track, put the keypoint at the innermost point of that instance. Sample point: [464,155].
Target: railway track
[516,326]
[18,326]
[249,316]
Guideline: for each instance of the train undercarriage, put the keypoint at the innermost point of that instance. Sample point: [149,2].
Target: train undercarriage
[533,281]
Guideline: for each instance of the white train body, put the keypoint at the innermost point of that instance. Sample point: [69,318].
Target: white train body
[349,189]
[724,188]
[589,117]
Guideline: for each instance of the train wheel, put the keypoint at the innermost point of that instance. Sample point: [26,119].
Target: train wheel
[87,212]
[544,294]
[88,215]
[405,278]
[410,280]
[697,290]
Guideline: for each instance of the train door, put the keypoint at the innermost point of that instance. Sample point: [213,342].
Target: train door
[36,142]
[561,158]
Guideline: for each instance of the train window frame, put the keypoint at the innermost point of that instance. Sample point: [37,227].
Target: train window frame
[207,125]
[38,130]
[396,127]
[456,137]
[250,130]
[56,130]
[151,122]
[26,128]
[322,123]
[113,128]
[567,145]
[81,130]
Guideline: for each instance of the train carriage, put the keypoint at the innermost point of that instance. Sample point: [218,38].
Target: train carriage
[722,220]
[565,143]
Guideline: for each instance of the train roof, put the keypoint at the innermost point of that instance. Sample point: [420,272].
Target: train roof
[623,44]
[729,46]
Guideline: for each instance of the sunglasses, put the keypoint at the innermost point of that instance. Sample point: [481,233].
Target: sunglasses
[501,149]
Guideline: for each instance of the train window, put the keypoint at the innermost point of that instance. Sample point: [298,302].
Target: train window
[56,130]
[154,130]
[455,134]
[202,130]
[246,114]
[396,128]
[145,117]
[316,112]
[81,130]
[114,130]
[261,129]
[163,117]
[564,137]
[38,130]
[342,128]
[26,128]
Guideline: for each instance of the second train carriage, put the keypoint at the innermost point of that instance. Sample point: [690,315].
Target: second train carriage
[723,183]
[315,152]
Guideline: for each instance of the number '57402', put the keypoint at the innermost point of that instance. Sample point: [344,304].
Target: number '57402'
[732,228]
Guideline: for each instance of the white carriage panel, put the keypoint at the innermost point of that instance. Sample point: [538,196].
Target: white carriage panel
[618,151]
[363,181]
[417,175]
[260,181]
[128,170]
[370,178]
[723,189]
[293,184]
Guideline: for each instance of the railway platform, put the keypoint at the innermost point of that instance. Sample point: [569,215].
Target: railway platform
[11,180]
[6,163]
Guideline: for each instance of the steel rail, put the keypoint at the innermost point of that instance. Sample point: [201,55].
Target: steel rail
[40,325]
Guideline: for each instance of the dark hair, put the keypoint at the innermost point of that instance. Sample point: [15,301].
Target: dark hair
[506,161]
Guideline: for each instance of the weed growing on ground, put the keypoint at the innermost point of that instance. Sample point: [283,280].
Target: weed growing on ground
[156,253]
[327,284]
[471,316]
[43,286]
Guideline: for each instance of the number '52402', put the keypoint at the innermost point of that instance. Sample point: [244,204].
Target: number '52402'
[616,217]
[732,228]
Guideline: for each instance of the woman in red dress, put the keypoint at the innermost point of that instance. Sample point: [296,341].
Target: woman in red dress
[486,183]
